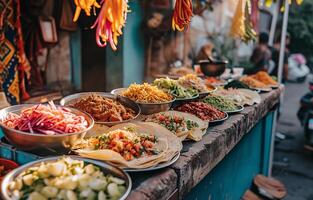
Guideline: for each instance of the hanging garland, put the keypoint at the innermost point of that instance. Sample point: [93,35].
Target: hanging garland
[110,21]
[268,3]
[113,14]
[242,26]
[86,6]
[182,14]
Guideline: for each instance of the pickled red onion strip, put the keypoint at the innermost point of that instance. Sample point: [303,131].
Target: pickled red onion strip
[46,119]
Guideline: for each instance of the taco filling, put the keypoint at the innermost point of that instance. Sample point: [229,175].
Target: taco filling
[173,123]
[127,143]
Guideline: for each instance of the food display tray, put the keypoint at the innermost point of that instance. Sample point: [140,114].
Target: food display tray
[21,157]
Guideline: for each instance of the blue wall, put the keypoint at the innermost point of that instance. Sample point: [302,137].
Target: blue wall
[234,174]
[133,46]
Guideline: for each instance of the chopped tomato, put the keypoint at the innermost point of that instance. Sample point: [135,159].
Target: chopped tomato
[137,147]
[147,144]
[133,151]
[128,156]
[161,117]
[129,146]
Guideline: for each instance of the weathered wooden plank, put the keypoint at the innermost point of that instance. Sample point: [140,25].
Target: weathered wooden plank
[160,186]
[199,158]
[203,156]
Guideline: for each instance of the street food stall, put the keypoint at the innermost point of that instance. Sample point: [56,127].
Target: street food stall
[218,161]
[200,132]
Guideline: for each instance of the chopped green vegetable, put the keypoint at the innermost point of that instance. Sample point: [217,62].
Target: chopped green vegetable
[236,84]
[220,103]
[171,86]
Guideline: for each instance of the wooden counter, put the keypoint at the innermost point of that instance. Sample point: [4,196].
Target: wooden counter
[198,159]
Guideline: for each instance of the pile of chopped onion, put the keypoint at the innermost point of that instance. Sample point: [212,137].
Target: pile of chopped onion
[46,119]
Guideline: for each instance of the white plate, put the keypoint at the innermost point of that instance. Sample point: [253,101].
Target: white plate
[218,120]
[262,89]
[240,108]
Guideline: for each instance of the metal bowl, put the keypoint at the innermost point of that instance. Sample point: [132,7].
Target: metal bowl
[202,95]
[219,121]
[68,100]
[239,109]
[105,168]
[187,98]
[29,141]
[147,108]
[212,68]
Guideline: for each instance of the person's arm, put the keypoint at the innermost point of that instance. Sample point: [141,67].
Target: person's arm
[285,71]
[256,56]
[285,67]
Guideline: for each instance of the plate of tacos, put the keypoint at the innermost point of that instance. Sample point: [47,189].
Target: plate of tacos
[183,125]
[138,146]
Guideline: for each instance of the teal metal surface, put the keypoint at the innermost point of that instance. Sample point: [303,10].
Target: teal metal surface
[267,141]
[75,45]
[114,66]
[9,152]
[133,46]
[20,157]
[234,174]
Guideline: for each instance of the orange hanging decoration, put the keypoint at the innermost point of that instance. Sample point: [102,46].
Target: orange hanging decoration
[110,21]
[85,5]
[182,14]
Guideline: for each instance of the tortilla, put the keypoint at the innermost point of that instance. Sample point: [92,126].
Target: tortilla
[253,96]
[195,133]
[168,145]
[96,130]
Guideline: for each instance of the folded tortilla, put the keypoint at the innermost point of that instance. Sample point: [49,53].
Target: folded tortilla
[168,145]
[195,133]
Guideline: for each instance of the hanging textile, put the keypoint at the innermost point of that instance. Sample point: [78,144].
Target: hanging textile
[14,66]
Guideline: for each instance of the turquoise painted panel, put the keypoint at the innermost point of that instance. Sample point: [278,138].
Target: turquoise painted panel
[234,174]
[114,66]
[8,152]
[75,45]
[133,46]
[18,156]
[268,126]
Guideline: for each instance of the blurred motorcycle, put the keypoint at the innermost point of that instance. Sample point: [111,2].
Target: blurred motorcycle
[297,68]
[305,115]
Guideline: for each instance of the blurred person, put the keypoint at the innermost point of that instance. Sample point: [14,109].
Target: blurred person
[205,51]
[275,57]
[261,54]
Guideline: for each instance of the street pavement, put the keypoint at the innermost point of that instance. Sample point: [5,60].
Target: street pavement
[293,164]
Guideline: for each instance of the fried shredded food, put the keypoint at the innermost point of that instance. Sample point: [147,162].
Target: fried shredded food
[146,93]
[202,110]
[104,109]
[251,82]
[264,78]
[181,71]
[212,80]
